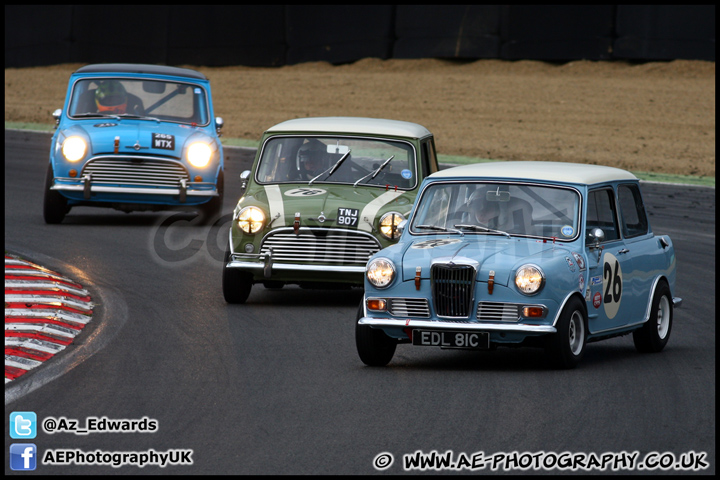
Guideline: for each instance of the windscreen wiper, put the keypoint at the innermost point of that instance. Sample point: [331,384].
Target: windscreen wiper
[132,115]
[481,228]
[440,229]
[374,173]
[91,115]
[333,168]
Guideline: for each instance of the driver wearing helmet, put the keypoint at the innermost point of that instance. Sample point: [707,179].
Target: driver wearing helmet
[486,213]
[112,98]
[512,214]
[310,161]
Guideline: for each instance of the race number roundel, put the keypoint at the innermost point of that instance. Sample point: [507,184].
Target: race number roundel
[434,243]
[612,285]
[305,192]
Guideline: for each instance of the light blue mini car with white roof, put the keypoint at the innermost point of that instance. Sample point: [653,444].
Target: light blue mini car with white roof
[545,254]
[135,137]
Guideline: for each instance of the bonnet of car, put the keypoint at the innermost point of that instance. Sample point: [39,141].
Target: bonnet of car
[500,255]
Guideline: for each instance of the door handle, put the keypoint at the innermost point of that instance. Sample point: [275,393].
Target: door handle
[624,250]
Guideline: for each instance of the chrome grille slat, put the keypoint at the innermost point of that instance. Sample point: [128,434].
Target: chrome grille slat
[452,289]
[136,171]
[498,312]
[345,247]
[409,307]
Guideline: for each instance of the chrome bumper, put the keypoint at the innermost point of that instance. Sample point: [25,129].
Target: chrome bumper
[85,185]
[441,325]
[264,263]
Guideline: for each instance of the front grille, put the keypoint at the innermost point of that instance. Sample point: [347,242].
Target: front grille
[498,312]
[409,307]
[453,287]
[144,171]
[321,246]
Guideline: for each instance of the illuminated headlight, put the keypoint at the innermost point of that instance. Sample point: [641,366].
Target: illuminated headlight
[529,279]
[73,148]
[251,219]
[389,223]
[380,272]
[199,154]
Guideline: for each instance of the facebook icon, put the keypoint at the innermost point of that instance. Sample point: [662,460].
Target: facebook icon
[23,456]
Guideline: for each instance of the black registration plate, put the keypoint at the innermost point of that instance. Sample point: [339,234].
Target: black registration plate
[348,216]
[451,339]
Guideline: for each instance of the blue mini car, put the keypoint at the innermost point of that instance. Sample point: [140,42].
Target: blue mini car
[135,137]
[553,255]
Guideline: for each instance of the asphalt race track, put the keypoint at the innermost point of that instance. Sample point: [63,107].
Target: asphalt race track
[275,386]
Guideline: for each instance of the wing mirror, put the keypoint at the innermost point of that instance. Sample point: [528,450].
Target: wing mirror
[56,115]
[244,176]
[401,226]
[596,237]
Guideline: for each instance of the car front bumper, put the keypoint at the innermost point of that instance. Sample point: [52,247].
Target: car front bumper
[263,266]
[85,185]
[454,326]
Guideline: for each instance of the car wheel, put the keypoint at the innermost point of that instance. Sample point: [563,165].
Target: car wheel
[236,284]
[654,335]
[211,211]
[567,346]
[55,206]
[374,347]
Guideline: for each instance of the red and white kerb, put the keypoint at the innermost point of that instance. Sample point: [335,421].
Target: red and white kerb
[44,312]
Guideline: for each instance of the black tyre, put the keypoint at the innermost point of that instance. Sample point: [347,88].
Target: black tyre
[55,206]
[211,211]
[374,347]
[566,347]
[236,284]
[654,335]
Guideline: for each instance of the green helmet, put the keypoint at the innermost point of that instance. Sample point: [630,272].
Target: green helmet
[110,93]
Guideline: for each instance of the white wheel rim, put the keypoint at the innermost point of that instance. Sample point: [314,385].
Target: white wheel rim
[663,317]
[576,333]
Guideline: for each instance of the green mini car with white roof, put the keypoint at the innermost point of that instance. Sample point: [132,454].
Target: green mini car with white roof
[324,195]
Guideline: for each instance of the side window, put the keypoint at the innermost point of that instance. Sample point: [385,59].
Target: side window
[632,210]
[601,213]
[429,159]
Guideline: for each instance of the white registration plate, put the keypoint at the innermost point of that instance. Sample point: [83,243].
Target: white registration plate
[451,339]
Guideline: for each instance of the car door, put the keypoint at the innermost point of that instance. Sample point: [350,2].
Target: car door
[611,285]
[641,246]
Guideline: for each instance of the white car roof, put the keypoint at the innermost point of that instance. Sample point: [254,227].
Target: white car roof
[357,125]
[544,171]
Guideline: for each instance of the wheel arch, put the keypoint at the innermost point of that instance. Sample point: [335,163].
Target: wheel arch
[657,281]
[563,304]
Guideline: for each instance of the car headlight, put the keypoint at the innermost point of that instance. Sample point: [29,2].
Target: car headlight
[529,279]
[380,272]
[389,223]
[199,154]
[73,148]
[251,219]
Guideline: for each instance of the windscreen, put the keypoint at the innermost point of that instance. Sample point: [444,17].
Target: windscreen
[167,101]
[343,160]
[498,208]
